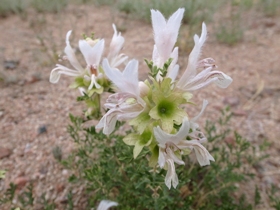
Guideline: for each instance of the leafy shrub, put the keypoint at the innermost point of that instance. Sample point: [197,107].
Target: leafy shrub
[105,164]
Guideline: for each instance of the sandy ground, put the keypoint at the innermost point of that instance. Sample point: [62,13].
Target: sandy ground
[34,113]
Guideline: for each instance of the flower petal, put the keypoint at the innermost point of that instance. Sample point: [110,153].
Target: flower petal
[56,72]
[71,54]
[156,57]
[205,103]
[93,82]
[202,154]
[161,158]
[171,154]
[193,58]
[115,47]
[126,81]
[202,80]
[171,175]
[172,74]
[91,54]
[118,60]
[108,122]
[106,204]
[166,33]
[163,137]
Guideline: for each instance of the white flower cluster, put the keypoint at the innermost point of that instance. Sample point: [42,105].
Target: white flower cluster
[154,106]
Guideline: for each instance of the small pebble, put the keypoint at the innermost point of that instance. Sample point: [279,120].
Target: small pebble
[64,172]
[10,64]
[21,182]
[42,129]
[5,152]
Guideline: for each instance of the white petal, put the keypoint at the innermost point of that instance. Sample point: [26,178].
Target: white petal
[54,76]
[91,54]
[223,80]
[173,73]
[171,175]
[82,91]
[166,33]
[106,204]
[71,54]
[118,60]
[173,68]
[56,72]
[171,154]
[184,129]
[200,81]
[130,73]
[115,46]
[174,56]
[126,81]
[108,122]
[193,58]
[163,137]
[158,21]
[161,158]
[205,103]
[156,57]
[93,82]
[202,154]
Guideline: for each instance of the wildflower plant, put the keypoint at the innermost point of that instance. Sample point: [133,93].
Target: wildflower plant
[154,107]
[90,80]
[162,131]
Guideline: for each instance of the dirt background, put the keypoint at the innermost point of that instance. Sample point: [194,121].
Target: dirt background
[34,113]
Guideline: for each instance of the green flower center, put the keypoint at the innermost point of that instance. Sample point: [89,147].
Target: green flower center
[166,108]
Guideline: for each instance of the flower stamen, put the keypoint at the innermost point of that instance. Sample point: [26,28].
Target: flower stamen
[93,70]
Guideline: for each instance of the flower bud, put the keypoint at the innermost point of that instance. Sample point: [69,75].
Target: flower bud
[144,89]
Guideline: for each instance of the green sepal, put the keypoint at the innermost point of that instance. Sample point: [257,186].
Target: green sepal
[131,139]
[79,82]
[154,157]
[95,90]
[166,86]
[139,141]
[137,149]
[141,122]
[187,96]
[186,151]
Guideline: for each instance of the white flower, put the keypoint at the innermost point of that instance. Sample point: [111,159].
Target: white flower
[106,204]
[92,51]
[190,80]
[127,103]
[92,55]
[171,146]
[165,36]
[115,59]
